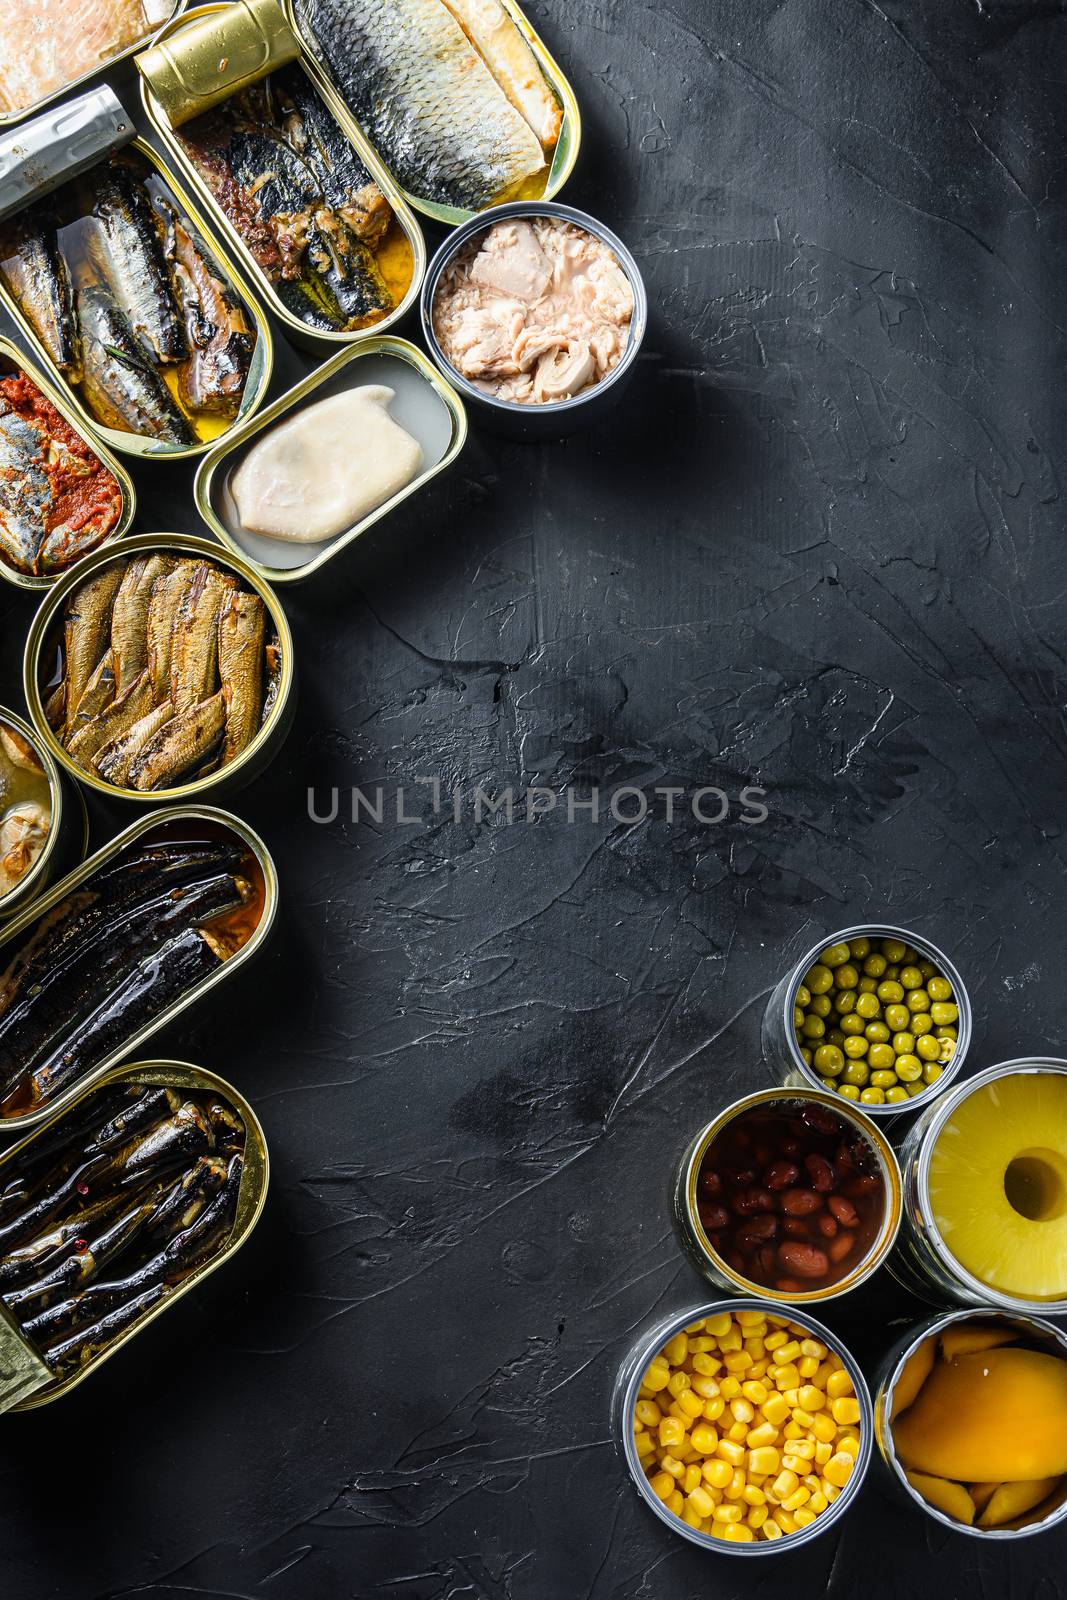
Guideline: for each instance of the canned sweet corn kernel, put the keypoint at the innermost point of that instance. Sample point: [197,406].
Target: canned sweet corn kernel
[743,1428]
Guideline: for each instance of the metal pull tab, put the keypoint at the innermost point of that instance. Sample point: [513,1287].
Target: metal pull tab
[22,1372]
[44,152]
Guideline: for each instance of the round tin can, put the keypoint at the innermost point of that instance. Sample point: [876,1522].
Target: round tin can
[40,658]
[560,418]
[702,1252]
[68,832]
[923,1261]
[888,1471]
[782,1052]
[624,1399]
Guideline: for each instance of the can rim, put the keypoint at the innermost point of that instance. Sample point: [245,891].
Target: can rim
[883,1406]
[45,617]
[625,1398]
[21,889]
[925,946]
[455,242]
[379,344]
[1020,1065]
[893,1209]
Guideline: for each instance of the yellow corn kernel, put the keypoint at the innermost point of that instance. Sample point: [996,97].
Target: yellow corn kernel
[802,1418]
[755,1392]
[677,1349]
[771,1530]
[785,1376]
[789,1351]
[736,1486]
[838,1469]
[830,1490]
[784,1520]
[752,1319]
[644,1444]
[849,1443]
[738,1533]
[813,1347]
[839,1383]
[796,1464]
[807,1366]
[707,1366]
[784,1484]
[672,1465]
[692,1404]
[799,1497]
[701,1501]
[811,1398]
[714,1408]
[738,1432]
[671,1431]
[824,1427]
[731,1340]
[717,1473]
[753,1495]
[648,1413]
[691,1479]
[845,1410]
[761,1435]
[818,1502]
[678,1414]
[758,1370]
[730,1387]
[706,1388]
[701,1344]
[823,1452]
[757,1516]
[775,1340]
[737,1361]
[695,1327]
[657,1376]
[731,1512]
[692,1518]
[676,1502]
[754,1345]
[792,1430]
[804,1448]
[803,1516]
[776,1410]
[729,1450]
[678,1381]
[703,1438]
[741,1410]
[719,1324]
[764,1459]
[662,1485]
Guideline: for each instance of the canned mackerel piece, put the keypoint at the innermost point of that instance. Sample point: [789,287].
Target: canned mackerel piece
[425,405]
[122,945]
[625,1425]
[171,1180]
[214,79]
[414,102]
[116,736]
[985,1192]
[790,1195]
[121,290]
[44,827]
[782,1047]
[22,573]
[1046,1510]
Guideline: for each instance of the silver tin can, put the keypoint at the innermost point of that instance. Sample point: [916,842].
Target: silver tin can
[922,1261]
[698,1246]
[624,1399]
[534,424]
[888,1472]
[782,1052]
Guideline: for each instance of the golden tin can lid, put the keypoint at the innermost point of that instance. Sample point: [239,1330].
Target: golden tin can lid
[204,63]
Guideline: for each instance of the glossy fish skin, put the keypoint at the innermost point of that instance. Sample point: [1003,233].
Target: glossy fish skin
[344,182]
[99,694]
[155,983]
[39,281]
[424,98]
[114,759]
[129,617]
[81,1347]
[86,631]
[180,745]
[242,627]
[194,661]
[27,492]
[348,270]
[148,1107]
[83,1265]
[116,720]
[219,337]
[123,390]
[127,250]
[162,617]
[52,1246]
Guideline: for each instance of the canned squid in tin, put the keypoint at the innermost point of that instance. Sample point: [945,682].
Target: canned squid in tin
[139,1189]
[734,1359]
[790,1195]
[122,945]
[854,1016]
[970,1408]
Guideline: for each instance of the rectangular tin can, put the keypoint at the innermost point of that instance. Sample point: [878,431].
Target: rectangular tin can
[210,479]
[9,118]
[34,1385]
[11,356]
[236,774]
[155,822]
[68,834]
[251,40]
[132,444]
[567,146]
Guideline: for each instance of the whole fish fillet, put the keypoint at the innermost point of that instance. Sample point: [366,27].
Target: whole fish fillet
[513,64]
[425,98]
[46,44]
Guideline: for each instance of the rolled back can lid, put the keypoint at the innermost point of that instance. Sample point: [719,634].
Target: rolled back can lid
[43,153]
[206,61]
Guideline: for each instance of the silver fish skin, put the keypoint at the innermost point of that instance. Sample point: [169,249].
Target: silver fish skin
[25,492]
[424,97]
[123,390]
[127,251]
[37,275]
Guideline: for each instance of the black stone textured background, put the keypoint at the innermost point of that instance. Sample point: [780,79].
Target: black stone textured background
[820,549]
